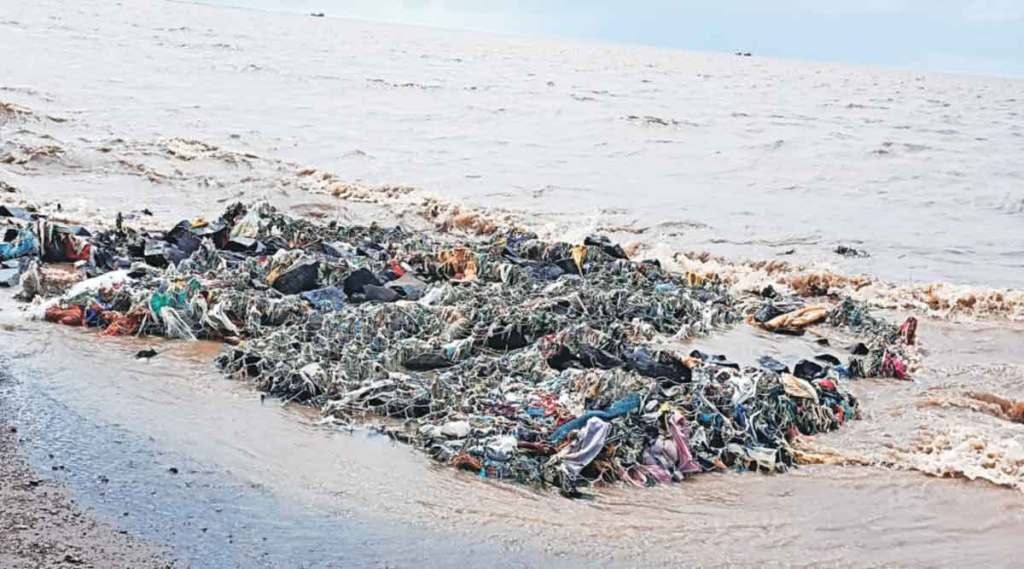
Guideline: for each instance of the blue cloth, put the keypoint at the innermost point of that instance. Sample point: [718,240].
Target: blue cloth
[93,317]
[740,414]
[23,244]
[625,405]
[325,299]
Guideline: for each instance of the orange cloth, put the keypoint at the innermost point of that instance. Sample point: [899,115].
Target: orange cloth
[797,319]
[70,316]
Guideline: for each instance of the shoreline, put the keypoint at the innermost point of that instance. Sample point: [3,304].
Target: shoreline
[42,525]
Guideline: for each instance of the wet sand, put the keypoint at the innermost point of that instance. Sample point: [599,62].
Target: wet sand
[41,524]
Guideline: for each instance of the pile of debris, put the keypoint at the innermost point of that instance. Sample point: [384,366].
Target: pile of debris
[540,362]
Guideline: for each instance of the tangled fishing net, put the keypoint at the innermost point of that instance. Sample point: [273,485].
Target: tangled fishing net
[540,362]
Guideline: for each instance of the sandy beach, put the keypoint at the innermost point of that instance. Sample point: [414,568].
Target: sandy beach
[43,526]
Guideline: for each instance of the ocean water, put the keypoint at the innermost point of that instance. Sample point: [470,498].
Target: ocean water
[180,108]
[746,157]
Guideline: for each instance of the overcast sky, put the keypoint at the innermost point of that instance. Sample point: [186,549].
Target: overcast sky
[976,36]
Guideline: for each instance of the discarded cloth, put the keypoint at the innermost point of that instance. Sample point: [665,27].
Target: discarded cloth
[588,444]
[625,405]
[797,319]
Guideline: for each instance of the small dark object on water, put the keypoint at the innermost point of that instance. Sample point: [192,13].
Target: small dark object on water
[847,251]
[908,330]
[146,354]
[147,211]
[317,14]
[173,470]
[743,53]
[822,341]
[13,429]
[788,252]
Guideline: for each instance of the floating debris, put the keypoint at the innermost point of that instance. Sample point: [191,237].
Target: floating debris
[148,353]
[847,251]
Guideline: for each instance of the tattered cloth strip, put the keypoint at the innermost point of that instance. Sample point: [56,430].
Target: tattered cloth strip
[797,319]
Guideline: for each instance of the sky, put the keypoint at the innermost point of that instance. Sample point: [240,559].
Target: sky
[969,36]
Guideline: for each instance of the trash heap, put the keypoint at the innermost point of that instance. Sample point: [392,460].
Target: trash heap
[24,236]
[515,358]
[886,352]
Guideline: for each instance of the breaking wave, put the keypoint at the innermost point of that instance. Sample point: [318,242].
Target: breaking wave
[940,300]
[966,452]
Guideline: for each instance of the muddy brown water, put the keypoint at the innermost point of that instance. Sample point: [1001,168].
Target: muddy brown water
[738,156]
[314,479]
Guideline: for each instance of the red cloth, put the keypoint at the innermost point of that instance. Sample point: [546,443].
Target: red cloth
[76,249]
[893,367]
[396,268]
[909,331]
